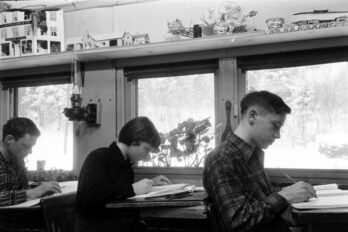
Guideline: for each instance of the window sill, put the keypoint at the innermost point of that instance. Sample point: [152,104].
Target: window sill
[312,176]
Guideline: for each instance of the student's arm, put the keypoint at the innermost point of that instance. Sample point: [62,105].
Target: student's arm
[236,209]
[12,197]
[298,192]
[42,189]
[7,195]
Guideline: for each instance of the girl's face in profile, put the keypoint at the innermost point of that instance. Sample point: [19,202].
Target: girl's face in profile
[139,152]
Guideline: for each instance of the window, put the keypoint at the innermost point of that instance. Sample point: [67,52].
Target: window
[176,105]
[42,46]
[55,47]
[27,15]
[3,18]
[27,46]
[3,33]
[5,49]
[44,105]
[315,134]
[14,16]
[15,32]
[53,16]
[27,30]
[53,31]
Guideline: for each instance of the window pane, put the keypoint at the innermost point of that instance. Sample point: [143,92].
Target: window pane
[184,100]
[44,105]
[315,134]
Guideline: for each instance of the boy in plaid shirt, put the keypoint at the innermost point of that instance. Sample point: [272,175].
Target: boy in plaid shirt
[19,135]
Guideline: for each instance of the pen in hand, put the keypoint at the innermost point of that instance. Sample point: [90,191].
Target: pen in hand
[290,178]
[294,182]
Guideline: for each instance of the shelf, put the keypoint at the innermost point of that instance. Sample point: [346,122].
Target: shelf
[323,38]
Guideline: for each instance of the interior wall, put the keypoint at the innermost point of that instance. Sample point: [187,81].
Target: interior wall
[95,21]
[99,86]
[152,17]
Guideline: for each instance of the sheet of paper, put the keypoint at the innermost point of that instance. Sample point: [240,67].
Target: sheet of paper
[68,186]
[25,204]
[331,192]
[325,187]
[163,189]
[323,203]
[199,189]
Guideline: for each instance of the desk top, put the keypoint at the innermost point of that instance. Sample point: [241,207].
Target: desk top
[196,199]
[336,215]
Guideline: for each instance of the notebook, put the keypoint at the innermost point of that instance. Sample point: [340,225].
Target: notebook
[171,190]
[328,196]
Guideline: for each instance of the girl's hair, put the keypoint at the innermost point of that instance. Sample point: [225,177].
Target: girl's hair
[139,129]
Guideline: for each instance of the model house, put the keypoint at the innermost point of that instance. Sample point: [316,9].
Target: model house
[26,32]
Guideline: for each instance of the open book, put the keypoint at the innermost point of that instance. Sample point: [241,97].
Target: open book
[171,190]
[66,187]
[329,196]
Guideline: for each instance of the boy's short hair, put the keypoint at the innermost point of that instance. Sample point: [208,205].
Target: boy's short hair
[267,100]
[139,129]
[18,127]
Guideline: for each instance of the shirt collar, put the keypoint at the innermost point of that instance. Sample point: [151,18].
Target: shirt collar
[247,149]
[3,158]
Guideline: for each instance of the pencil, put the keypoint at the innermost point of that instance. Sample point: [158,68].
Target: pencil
[290,178]
[294,181]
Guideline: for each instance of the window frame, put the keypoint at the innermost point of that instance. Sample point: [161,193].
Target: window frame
[296,59]
[225,79]
[230,84]
[14,103]
[34,77]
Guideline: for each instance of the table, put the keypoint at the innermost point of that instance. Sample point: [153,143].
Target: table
[51,213]
[323,219]
[187,213]
[22,219]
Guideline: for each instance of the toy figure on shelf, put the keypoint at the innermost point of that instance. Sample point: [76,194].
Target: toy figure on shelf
[88,41]
[228,18]
[177,28]
[308,21]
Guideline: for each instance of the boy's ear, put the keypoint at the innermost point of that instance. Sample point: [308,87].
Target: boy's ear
[9,139]
[252,116]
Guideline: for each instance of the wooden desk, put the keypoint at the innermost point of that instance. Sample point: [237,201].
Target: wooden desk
[187,213]
[22,219]
[196,199]
[323,219]
[192,206]
[58,208]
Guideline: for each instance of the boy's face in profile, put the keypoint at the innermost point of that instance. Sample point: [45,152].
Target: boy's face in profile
[20,148]
[266,128]
[139,152]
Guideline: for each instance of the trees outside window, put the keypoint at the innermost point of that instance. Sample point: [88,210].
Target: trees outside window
[315,134]
[182,109]
[44,105]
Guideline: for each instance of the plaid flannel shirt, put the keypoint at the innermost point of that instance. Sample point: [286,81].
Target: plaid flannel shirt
[13,183]
[239,188]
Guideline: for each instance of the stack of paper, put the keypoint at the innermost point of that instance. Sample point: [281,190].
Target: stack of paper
[68,186]
[329,196]
[323,203]
[165,190]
